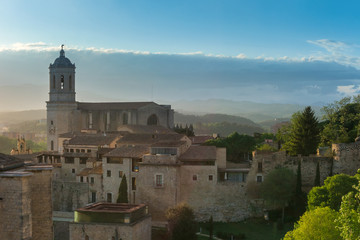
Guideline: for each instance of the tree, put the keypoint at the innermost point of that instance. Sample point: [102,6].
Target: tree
[181,222]
[123,191]
[316,224]
[237,146]
[210,227]
[298,202]
[349,216]
[278,187]
[342,120]
[304,136]
[317,176]
[330,194]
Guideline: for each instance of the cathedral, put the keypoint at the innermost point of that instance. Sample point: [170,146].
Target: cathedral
[65,114]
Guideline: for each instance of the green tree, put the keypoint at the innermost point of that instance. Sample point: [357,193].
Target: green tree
[181,222]
[349,216]
[342,120]
[304,136]
[316,224]
[317,176]
[278,188]
[123,191]
[298,203]
[210,227]
[330,194]
[238,147]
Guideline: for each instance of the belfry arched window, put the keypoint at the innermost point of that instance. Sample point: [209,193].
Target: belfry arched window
[62,82]
[152,120]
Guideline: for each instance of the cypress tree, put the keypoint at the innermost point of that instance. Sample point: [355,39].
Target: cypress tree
[123,191]
[317,176]
[298,190]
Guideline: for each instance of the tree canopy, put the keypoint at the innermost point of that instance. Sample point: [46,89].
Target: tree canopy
[316,224]
[278,187]
[330,194]
[304,133]
[237,146]
[181,222]
[342,121]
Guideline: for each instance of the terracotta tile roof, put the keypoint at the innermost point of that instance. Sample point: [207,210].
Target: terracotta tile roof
[148,139]
[131,151]
[145,129]
[93,139]
[88,171]
[169,144]
[112,105]
[102,151]
[8,162]
[200,139]
[199,153]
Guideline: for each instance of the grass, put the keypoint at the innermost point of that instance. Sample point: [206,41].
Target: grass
[254,229]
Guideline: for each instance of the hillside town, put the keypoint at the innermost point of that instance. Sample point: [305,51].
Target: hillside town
[113,170]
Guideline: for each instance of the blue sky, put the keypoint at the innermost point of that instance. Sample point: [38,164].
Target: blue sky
[302,52]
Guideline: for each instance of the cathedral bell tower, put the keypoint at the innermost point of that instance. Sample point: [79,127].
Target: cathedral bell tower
[62,104]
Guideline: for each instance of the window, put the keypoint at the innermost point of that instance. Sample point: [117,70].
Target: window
[125,119]
[88,151]
[82,150]
[92,180]
[69,160]
[108,173]
[52,145]
[70,83]
[114,160]
[73,170]
[83,160]
[53,81]
[62,82]
[109,197]
[71,150]
[120,174]
[152,120]
[133,183]
[52,122]
[259,167]
[259,179]
[211,177]
[195,178]
[159,180]
[77,150]
[93,197]
[90,120]
[81,179]
[87,237]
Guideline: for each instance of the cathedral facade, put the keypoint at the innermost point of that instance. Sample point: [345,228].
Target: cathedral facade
[65,114]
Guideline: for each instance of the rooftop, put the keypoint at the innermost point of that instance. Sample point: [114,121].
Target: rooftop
[8,162]
[143,138]
[199,153]
[130,151]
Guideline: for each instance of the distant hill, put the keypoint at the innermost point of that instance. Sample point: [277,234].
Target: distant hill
[7,118]
[222,124]
[256,112]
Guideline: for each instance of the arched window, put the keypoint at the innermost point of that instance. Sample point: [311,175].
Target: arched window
[62,82]
[70,83]
[152,120]
[52,145]
[125,119]
[53,81]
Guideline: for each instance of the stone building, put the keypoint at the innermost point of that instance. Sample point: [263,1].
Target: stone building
[25,200]
[111,221]
[65,114]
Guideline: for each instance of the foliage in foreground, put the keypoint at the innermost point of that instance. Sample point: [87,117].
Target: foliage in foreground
[331,193]
[316,224]
[181,222]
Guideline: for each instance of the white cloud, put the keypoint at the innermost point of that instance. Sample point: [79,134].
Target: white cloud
[348,90]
